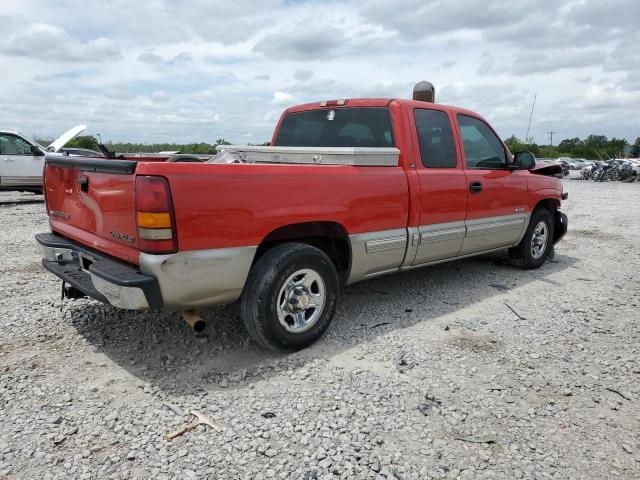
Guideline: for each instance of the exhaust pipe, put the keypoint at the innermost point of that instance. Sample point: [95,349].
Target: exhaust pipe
[193,318]
[424,92]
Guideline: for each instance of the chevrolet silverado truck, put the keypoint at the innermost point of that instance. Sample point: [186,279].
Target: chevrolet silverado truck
[348,190]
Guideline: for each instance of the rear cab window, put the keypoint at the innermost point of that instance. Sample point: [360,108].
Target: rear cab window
[341,127]
[482,148]
[435,137]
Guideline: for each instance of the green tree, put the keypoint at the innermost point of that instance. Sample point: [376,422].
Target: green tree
[513,143]
[615,146]
[569,144]
[516,145]
[592,147]
[192,148]
[596,141]
[83,141]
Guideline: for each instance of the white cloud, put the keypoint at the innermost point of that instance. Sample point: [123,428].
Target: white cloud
[302,74]
[53,44]
[540,61]
[303,42]
[159,71]
[282,99]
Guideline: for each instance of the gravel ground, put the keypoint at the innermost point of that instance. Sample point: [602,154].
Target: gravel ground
[427,374]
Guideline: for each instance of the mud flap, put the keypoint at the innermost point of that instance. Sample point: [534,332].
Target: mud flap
[561,223]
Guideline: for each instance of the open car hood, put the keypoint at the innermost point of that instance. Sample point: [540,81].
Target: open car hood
[545,168]
[63,139]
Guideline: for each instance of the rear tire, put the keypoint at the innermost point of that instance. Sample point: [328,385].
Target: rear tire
[290,297]
[537,243]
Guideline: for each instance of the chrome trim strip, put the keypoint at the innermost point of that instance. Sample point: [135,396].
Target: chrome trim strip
[445,260]
[441,235]
[200,277]
[384,244]
[484,226]
[20,181]
[386,255]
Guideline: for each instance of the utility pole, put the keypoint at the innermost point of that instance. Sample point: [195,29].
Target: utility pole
[551,137]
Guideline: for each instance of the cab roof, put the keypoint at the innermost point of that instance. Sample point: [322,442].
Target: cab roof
[377,102]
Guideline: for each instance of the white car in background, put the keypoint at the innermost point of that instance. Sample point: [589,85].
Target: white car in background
[22,160]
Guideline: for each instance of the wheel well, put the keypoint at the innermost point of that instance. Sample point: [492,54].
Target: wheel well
[550,204]
[330,237]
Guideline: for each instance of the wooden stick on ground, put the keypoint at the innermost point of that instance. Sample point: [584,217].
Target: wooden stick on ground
[199,420]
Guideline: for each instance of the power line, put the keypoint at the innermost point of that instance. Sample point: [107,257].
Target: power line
[551,138]
[526,138]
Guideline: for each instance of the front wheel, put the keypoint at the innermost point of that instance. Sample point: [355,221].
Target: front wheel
[537,243]
[290,297]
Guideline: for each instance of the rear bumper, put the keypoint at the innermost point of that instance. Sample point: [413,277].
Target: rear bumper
[99,276]
[180,281]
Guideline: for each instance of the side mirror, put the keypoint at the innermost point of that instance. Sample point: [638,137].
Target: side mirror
[36,151]
[524,161]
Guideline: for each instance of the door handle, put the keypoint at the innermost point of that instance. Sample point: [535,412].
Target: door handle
[475,187]
[84,184]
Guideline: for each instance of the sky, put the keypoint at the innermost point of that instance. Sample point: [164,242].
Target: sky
[194,71]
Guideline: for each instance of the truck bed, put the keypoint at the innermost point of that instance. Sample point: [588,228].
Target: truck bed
[220,205]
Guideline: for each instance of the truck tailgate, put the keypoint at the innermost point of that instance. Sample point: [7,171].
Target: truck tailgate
[93,202]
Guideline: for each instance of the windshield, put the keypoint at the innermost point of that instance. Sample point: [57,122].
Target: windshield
[342,127]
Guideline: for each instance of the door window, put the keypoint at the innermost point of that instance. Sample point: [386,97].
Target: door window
[482,148]
[435,137]
[12,145]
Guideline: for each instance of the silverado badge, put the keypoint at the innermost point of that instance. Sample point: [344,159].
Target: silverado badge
[122,236]
[59,214]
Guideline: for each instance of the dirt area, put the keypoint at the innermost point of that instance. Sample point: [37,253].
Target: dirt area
[466,370]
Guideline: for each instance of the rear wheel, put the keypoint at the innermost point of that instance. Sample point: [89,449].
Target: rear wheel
[290,297]
[537,243]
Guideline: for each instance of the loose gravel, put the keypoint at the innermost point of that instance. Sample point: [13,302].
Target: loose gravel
[466,370]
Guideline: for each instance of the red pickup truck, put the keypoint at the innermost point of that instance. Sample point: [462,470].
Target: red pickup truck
[350,189]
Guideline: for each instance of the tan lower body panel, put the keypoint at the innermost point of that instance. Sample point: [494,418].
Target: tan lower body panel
[493,232]
[376,253]
[387,251]
[201,277]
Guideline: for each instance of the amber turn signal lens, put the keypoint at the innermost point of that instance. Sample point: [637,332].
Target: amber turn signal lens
[154,220]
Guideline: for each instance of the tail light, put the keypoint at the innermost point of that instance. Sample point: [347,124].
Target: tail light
[154,211]
[44,188]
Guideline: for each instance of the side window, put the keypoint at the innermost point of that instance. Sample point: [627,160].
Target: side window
[435,137]
[11,145]
[482,148]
